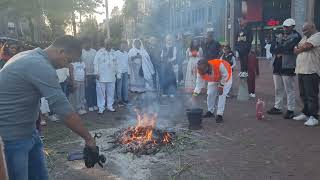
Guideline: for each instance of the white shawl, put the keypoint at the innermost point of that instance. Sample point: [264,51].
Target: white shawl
[147,66]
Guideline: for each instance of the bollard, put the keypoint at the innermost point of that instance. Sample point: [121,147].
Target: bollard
[243,94]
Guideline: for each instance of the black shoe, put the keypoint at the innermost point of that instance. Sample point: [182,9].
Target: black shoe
[274,111]
[208,115]
[121,104]
[219,119]
[289,115]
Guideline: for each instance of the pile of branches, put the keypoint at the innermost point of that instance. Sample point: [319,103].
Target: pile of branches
[151,147]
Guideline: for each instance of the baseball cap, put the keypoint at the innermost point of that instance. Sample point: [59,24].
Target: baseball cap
[289,22]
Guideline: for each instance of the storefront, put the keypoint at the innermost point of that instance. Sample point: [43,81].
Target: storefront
[265,17]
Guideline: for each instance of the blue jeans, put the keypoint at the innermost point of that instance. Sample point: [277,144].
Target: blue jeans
[25,159]
[91,93]
[64,87]
[122,88]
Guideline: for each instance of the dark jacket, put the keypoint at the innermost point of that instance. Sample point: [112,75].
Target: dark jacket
[244,41]
[228,57]
[211,50]
[285,59]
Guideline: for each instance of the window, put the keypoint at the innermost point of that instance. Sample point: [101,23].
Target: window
[189,18]
[202,15]
[194,16]
[210,11]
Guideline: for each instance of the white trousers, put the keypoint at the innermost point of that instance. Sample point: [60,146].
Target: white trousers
[284,84]
[105,90]
[213,94]
[200,83]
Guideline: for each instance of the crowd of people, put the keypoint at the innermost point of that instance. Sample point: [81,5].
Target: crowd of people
[102,78]
[72,71]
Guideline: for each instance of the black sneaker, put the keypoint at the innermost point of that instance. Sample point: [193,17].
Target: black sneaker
[208,115]
[289,115]
[274,111]
[121,104]
[219,119]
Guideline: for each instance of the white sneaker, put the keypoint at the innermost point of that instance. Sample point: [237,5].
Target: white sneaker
[82,112]
[240,74]
[95,108]
[245,74]
[171,96]
[54,118]
[111,109]
[91,109]
[312,121]
[100,111]
[252,95]
[164,95]
[300,117]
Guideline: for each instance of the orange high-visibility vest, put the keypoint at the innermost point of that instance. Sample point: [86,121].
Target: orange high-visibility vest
[216,75]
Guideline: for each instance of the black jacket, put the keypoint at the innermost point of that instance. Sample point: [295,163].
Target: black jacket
[285,59]
[211,50]
[244,41]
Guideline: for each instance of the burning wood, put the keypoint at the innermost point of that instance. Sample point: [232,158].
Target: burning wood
[143,139]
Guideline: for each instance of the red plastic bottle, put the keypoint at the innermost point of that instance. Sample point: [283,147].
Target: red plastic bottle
[260,109]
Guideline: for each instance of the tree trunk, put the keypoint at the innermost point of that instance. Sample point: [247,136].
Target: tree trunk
[31,26]
[74,25]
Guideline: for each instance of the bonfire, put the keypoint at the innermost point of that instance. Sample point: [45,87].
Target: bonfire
[144,138]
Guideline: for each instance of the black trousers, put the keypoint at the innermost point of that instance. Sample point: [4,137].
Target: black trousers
[309,90]
[91,92]
[244,63]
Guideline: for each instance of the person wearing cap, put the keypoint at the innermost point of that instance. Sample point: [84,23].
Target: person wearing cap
[243,46]
[105,67]
[308,70]
[218,74]
[284,69]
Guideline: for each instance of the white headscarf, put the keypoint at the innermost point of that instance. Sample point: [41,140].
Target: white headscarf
[147,66]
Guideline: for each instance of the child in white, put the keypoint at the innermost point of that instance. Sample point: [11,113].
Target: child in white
[78,96]
[105,67]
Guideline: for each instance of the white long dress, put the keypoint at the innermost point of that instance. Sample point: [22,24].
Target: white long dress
[141,70]
[191,73]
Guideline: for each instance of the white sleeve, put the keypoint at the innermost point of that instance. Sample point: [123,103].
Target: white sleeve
[96,64]
[234,62]
[237,54]
[174,54]
[117,71]
[314,40]
[224,74]
[200,52]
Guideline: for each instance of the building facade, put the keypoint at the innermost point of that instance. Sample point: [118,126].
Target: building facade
[195,17]
[266,15]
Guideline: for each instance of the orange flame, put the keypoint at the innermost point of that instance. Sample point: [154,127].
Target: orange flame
[142,133]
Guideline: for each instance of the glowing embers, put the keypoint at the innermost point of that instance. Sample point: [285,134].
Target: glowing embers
[144,138]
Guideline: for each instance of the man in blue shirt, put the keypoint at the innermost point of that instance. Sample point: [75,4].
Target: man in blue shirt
[24,79]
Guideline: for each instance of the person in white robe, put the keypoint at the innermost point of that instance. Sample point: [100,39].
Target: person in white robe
[193,55]
[141,68]
[105,67]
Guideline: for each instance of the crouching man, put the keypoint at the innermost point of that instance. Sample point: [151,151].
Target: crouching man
[218,73]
